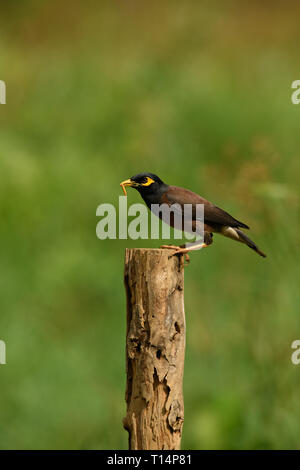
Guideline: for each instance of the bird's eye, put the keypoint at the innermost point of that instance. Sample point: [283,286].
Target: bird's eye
[148,181]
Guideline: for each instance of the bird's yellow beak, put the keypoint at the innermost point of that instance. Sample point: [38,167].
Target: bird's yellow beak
[127,183]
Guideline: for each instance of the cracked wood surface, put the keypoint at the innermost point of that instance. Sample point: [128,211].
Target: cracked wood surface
[155,346]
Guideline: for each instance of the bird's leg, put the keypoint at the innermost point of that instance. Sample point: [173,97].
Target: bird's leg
[183,251]
[177,249]
[204,242]
[172,247]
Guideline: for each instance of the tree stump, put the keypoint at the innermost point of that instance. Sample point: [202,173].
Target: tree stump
[155,347]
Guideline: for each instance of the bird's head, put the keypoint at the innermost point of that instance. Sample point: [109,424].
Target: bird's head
[143,182]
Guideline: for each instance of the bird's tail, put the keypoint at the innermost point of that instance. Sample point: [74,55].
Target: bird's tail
[248,242]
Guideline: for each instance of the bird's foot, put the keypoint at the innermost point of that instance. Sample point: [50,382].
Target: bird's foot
[178,250]
[183,251]
[170,247]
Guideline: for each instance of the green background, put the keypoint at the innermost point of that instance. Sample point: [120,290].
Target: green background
[199,93]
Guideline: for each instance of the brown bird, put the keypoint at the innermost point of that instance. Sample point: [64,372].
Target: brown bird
[154,191]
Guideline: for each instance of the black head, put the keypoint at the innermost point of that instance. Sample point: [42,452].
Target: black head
[145,183]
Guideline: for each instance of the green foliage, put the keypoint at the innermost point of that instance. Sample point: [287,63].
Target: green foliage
[200,95]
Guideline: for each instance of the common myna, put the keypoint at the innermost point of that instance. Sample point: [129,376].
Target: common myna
[154,191]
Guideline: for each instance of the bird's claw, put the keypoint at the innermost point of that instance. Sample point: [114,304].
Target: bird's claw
[171,247]
[178,251]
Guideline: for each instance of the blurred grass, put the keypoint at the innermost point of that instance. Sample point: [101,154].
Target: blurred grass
[200,95]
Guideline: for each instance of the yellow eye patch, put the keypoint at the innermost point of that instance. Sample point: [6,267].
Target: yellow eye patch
[148,182]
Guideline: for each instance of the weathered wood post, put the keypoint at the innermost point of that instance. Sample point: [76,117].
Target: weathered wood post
[155,347]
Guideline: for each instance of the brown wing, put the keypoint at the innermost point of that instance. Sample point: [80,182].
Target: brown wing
[213,215]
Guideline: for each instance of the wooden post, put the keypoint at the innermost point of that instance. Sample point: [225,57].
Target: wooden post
[155,347]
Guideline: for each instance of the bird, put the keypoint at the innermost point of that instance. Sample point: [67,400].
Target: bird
[154,191]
